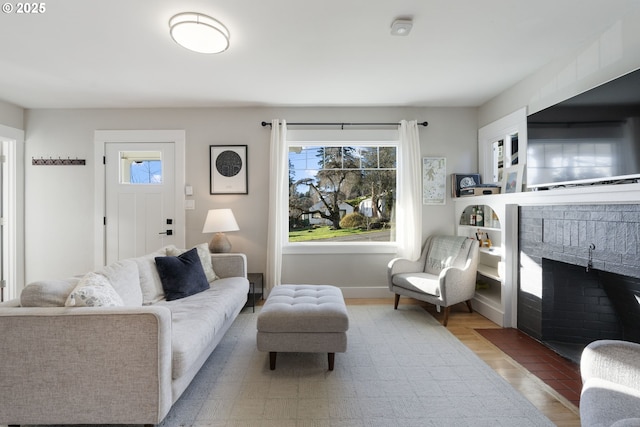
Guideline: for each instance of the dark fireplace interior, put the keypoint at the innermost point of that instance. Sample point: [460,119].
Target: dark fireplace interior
[561,302]
[578,307]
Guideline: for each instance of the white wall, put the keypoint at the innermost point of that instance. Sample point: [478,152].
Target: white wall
[59,200]
[611,54]
[11,115]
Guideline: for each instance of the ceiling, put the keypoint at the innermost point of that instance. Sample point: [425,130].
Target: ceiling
[118,53]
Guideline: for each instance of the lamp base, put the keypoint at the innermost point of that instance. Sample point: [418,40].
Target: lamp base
[219,244]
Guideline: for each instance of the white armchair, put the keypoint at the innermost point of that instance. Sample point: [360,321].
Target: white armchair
[444,275]
[610,372]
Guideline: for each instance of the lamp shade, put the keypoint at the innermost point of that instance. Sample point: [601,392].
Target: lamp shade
[199,33]
[219,221]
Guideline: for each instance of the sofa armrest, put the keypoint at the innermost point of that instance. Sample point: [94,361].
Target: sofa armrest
[85,365]
[612,360]
[229,265]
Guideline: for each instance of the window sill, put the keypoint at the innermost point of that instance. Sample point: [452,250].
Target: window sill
[342,248]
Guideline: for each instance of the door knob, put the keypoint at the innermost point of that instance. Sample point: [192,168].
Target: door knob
[168,232]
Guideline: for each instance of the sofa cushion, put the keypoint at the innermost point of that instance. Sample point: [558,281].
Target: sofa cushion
[419,282]
[181,275]
[150,282]
[47,293]
[125,279]
[198,319]
[94,290]
[205,259]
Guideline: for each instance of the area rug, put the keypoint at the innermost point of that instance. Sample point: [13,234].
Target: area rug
[402,368]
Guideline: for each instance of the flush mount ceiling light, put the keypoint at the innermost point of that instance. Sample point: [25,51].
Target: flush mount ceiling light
[401,27]
[199,33]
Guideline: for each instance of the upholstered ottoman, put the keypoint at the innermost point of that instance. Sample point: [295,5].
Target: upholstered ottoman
[305,319]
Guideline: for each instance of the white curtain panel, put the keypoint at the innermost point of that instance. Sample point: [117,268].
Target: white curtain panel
[278,202]
[409,210]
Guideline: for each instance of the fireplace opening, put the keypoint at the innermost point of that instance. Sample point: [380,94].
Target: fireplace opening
[578,307]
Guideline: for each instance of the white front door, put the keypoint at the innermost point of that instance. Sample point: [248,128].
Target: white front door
[140,198]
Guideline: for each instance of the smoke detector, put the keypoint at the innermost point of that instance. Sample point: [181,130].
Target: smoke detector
[401,27]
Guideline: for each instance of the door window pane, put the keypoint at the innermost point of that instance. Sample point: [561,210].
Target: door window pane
[140,167]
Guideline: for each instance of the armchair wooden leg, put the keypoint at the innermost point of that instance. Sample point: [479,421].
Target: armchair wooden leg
[395,303]
[469,306]
[446,315]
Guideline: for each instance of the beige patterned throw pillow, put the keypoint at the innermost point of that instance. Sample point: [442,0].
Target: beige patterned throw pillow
[94,290]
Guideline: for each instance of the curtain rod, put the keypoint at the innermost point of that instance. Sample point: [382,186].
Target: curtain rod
[425,124]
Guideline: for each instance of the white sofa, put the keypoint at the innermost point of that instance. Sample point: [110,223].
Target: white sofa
[112,365]
[610,372]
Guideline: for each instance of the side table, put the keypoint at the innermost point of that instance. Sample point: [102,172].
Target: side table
[255,281]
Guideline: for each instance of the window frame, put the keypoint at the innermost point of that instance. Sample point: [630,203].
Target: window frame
[346,247]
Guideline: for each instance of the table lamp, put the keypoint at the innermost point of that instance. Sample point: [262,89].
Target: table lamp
[218,221]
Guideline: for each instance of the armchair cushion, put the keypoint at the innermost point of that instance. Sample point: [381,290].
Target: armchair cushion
[419,282]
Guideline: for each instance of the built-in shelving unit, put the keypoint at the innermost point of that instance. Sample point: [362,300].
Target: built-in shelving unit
[494,290]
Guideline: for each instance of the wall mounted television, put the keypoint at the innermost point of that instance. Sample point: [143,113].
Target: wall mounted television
[592,138]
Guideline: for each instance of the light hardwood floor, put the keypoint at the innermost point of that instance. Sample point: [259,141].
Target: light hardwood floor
[462,324]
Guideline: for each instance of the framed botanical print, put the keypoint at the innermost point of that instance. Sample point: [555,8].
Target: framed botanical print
[228,169]
[434,180]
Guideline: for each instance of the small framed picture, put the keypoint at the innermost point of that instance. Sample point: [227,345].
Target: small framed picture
[228,167]
[434,180]
[512,179]
[461,181]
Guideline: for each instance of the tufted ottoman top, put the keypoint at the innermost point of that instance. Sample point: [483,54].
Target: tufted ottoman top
[304,308]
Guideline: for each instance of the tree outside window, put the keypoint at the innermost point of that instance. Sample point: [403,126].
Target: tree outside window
[341,193]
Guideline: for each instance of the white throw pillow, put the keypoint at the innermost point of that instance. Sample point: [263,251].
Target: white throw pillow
[150,283]
[123,276]
[94,290]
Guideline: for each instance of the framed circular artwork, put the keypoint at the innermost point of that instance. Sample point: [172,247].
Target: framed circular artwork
[228,166]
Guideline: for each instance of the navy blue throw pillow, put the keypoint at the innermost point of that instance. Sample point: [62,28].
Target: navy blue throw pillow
[181,275]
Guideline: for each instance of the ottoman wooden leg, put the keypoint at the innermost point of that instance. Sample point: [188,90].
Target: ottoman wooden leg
[272,360]
[332,358]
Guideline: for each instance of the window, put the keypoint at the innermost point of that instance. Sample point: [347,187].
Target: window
[141,167]
[342,192]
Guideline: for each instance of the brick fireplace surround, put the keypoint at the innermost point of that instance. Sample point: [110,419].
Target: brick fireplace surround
[559,299]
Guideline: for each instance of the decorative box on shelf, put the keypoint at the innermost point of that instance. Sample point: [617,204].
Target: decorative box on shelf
[479,190]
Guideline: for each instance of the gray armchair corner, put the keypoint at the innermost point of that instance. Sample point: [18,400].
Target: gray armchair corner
[444,275]
[610,371]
